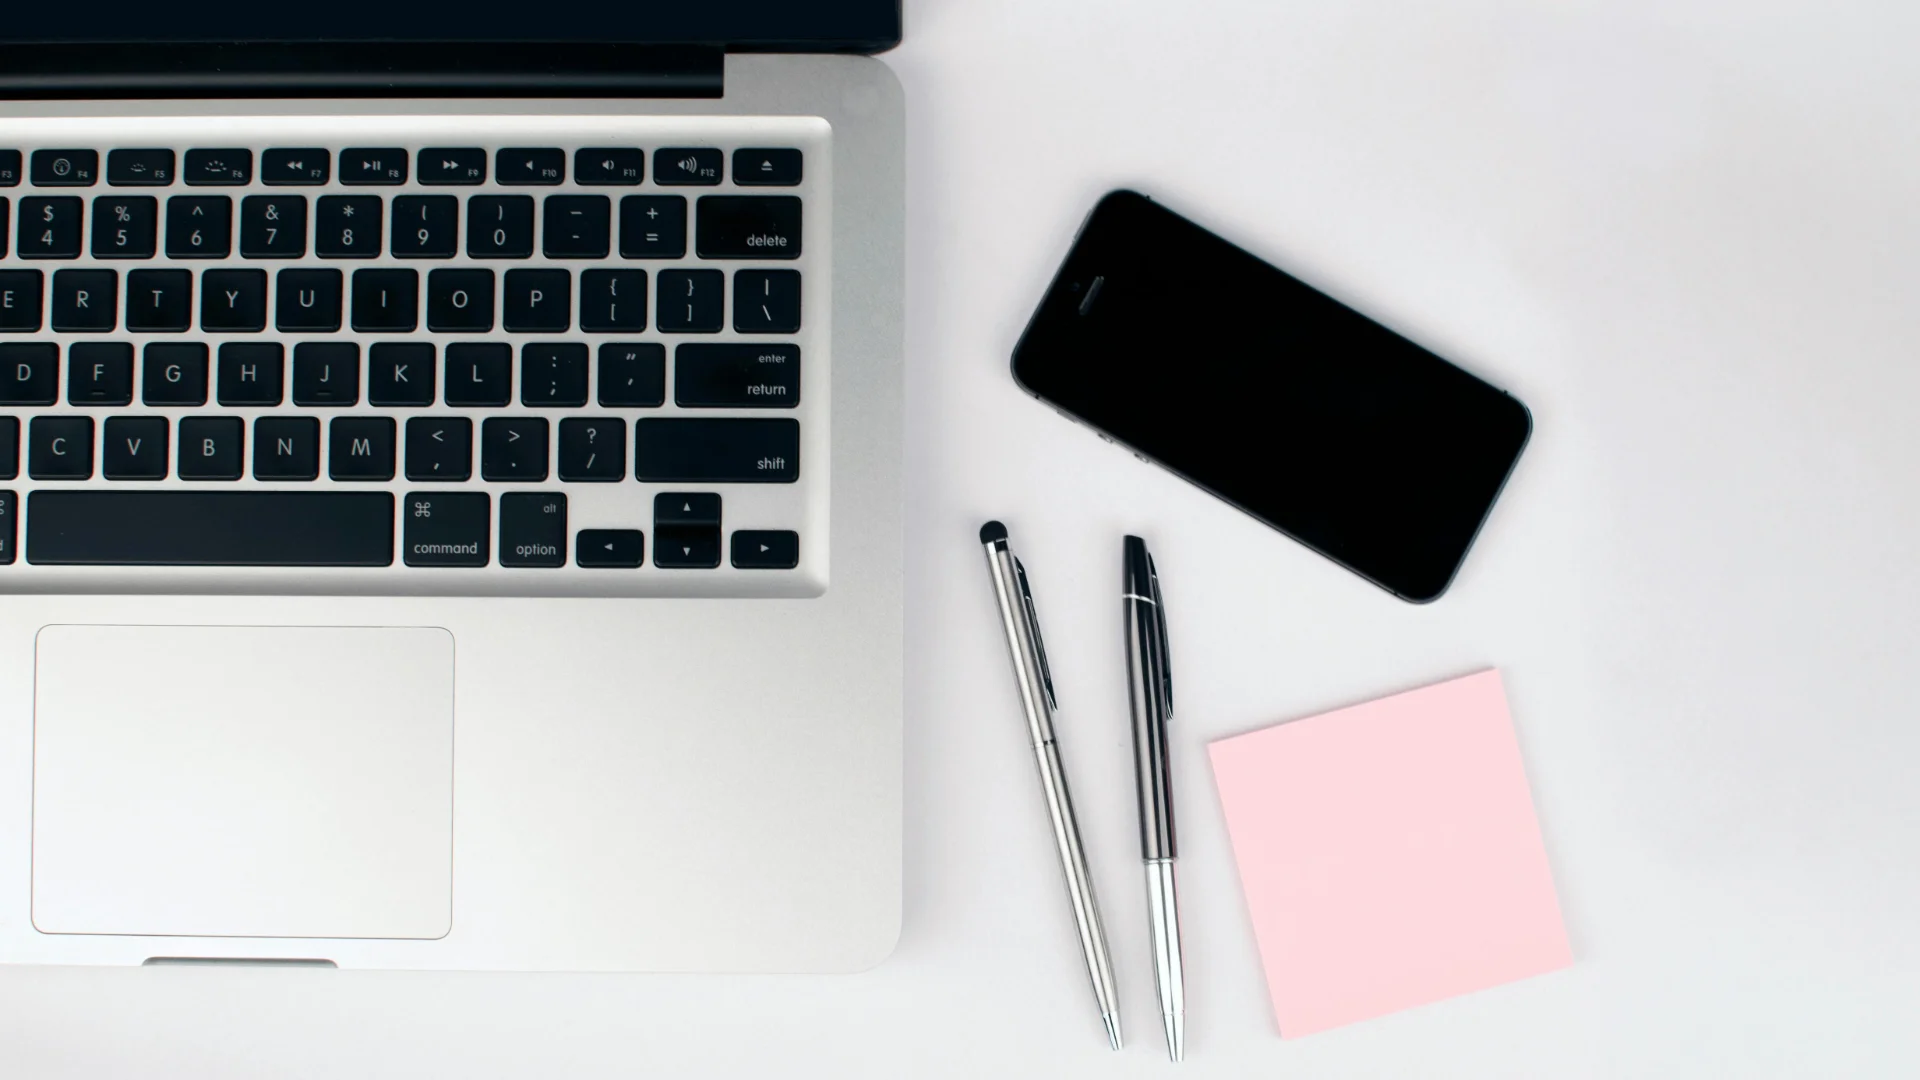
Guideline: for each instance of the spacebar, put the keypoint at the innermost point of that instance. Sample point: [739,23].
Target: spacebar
[210,528]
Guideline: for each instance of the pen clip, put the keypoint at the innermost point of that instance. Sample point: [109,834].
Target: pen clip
[1033,625]
[1166,646]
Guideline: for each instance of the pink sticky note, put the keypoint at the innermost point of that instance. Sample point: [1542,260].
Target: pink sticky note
[1390,854]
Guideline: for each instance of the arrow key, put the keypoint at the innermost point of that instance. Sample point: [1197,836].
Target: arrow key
[766,549]
[439,448]
[686,546]
[686,508]
[617,548]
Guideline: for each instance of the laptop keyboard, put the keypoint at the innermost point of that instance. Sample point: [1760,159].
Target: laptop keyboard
[467,361]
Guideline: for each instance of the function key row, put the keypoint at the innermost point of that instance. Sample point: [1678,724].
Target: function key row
[338,528]
[592,449]
[421,227]
[387,300]
[403,374]
[385,166]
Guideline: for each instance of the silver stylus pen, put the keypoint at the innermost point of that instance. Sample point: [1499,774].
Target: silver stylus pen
[1036,694]
[1150,692]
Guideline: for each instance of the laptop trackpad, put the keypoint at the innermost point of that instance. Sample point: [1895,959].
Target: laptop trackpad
[243,781]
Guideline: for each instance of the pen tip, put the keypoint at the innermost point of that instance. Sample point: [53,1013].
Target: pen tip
[992,531]
[1113,1029]
[1176,1037]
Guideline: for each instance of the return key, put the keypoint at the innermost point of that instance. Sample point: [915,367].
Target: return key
[736,375]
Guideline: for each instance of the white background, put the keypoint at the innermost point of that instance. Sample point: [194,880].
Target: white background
[1687,235]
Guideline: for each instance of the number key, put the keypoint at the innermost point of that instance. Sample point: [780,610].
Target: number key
[424,226]
[199,226]
[347,227]
[500,226]
[273,226]
[50,227]
[124,226]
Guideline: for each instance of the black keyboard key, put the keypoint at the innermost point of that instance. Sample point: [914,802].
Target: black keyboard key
[125,226]
[736,375]
[233,301]
[686,165]
[500,227]
[446,528]
[303,166]
[210,448]
[682,547]
[85,301]
[439,448]
[384,165]
[347,227]
[609,165]
[401,373]
[6,228]
[653,227]
[593,450]
[100,373]
[210,528]
[460,300]
[613,549]
[686,508]
[748,227]
[273,226]
[766,167]
[576,227]
[539,301]
[173,373]
[533,529]
[60,448]
[251,373]
[49,227]
[20,299]
[691,301]
[159,300]
[529,165]
[553,375]
[766,549]
[479,373]
[134,448]
[460,165]
[65,168]
[386,300]
[513,448]
[9,510]
[360,448]
[425,227]
[139,168]
[218,168]
[199,226]
[9,447]
[766,301]
[678,450]
[29,373]
[307,300]
[9,168]
[286,448]
[613,300]
[633,375]
[326,373]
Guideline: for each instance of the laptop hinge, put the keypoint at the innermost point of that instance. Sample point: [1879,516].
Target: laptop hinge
[359,69]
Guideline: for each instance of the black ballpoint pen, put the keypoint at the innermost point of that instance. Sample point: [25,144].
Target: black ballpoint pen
[1150,693]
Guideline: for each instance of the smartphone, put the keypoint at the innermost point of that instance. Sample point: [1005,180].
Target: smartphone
[1273,396]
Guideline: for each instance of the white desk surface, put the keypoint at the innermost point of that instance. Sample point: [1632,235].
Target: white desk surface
[1687,235]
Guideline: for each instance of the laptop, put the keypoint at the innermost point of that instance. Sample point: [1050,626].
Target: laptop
[450,485]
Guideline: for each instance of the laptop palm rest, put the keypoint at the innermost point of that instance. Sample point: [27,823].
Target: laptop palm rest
[243,781]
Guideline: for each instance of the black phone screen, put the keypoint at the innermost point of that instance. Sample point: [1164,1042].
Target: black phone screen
[1272,395]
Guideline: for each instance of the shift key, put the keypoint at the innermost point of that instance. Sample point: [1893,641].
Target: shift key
[736,375]
[731,451]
